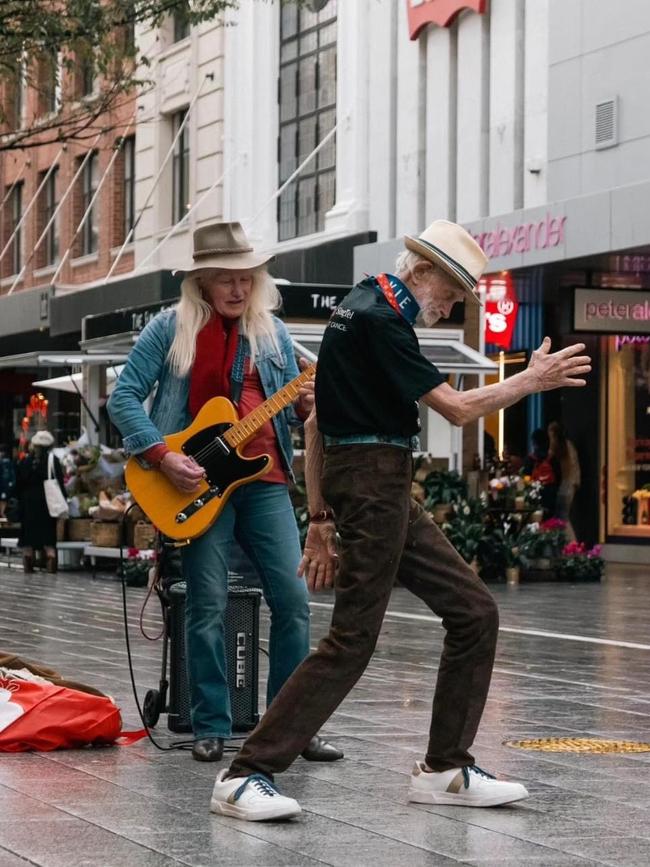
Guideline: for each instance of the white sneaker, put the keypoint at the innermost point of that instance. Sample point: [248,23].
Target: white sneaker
[466,787]
[252,799]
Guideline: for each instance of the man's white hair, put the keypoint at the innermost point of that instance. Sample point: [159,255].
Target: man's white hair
[407,261]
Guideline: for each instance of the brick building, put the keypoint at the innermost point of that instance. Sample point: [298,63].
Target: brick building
[23,171]
[43,259]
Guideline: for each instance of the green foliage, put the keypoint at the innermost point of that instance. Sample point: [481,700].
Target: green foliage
[33,32]
[443,486]
[465,536]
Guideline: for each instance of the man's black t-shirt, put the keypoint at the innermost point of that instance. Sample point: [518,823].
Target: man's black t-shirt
[370,371]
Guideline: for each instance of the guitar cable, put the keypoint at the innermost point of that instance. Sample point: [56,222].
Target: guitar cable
[175,745]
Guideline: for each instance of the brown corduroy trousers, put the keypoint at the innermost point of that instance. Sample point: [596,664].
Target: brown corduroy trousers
[384,535]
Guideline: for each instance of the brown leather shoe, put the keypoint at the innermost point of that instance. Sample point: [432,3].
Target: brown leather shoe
[319,750]
[28,563]
[207,749]
[51,565]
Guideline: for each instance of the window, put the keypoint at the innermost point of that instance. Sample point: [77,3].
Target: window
[87,75]
[16,216]
[627,420]
[181,23]
[89,182]
[180,168]
[49,83]
[307,104]
[14,102]
[48,252]
[128,155]
[14,259]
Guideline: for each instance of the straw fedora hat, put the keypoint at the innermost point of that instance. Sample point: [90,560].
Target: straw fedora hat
[454,250]
[43,438]
[223,245]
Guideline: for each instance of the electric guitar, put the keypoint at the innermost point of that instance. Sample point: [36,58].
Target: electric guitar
[214,440]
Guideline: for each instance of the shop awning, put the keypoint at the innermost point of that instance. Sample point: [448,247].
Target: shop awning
[443,347]
[61,359]
[67,383]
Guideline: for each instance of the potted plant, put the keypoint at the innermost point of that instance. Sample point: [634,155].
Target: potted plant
[466,536]
[553,533]
[137,567]
[442,489]
[577,563]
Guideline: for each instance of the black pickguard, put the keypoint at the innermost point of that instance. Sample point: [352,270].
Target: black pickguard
[222,469]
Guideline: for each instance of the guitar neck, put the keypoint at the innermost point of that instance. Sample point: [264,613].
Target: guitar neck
[246,428]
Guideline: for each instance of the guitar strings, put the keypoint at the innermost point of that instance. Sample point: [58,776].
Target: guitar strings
[212,448]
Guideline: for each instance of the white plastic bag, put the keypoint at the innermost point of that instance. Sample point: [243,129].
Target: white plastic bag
[57,505]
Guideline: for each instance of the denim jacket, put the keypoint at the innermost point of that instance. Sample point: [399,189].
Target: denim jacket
[147,365]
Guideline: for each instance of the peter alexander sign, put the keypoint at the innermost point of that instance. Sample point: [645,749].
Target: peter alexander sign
[611,311]
[503,241]
[440,12]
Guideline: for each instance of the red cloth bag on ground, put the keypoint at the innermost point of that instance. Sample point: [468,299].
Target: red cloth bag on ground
[36,714]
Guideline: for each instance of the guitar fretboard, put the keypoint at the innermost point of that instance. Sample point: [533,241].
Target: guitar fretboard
[245,429]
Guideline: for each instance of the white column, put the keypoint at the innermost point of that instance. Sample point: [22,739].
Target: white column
[93,388]
[409,156]
[506,93]
[441,123]
[536,103]
[238,114]
[207,157]
[472,121]
[251,63]
[382,106]
[350,212]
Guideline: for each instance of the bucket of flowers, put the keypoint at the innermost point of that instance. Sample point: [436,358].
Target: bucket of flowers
[578,563]
[540,546]
[137,566]
[443,488]
[465,528]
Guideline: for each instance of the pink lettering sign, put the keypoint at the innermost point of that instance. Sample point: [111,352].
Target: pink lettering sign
[440,12]
[522,238]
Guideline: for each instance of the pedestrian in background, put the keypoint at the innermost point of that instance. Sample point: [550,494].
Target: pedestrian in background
[543,469]
[7,480]
[563,454]
[37,527]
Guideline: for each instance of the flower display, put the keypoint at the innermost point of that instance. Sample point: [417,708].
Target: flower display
[579,563]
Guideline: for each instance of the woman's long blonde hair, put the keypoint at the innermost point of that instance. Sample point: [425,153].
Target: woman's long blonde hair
[193,312]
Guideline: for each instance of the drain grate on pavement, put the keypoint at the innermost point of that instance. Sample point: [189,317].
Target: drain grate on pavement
[579,745]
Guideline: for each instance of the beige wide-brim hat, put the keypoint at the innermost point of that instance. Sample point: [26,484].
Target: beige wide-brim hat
[223,245]
[43,438]
[454,250]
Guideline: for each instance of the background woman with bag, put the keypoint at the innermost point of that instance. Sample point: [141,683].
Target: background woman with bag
[38,527]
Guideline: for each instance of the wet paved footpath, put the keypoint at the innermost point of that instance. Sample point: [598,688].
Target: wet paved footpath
[572,660]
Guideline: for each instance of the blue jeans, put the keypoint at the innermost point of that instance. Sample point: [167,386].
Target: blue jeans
[260,516]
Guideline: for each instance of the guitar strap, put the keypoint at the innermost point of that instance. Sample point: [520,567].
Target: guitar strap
[239,365]
[398,296]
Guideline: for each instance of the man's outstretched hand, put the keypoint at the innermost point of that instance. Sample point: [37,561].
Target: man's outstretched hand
[558,369]
[319,560]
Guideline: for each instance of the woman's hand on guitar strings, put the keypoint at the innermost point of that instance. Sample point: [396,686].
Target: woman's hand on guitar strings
[319,560]
[183,472]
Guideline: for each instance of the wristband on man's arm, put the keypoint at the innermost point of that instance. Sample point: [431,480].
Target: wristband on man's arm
[322,516]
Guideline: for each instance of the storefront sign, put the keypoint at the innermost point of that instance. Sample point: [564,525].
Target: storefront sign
[440,12]
[623,340]
[124,321]
[522,238]
[299,301]
[611,311]
[501,306]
